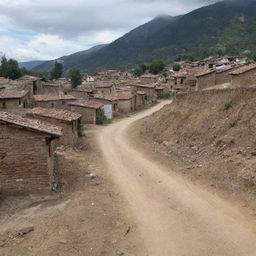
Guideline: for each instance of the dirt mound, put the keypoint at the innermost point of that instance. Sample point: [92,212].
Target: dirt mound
[214,132]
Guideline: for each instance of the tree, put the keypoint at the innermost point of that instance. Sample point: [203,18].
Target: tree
[75,76]
[138,71]
[156,67]
[176,67]
[10,69]
[57,70]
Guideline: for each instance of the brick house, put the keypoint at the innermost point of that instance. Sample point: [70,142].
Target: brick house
[206,79]
[69,121]
[223,76]
[126,101]
[81,93]
[149,89]
[26,153]
[52,88]
[108,100]
[104,88]
[12,99]
[148,78]
[88,109]
[53,101]
[244,76]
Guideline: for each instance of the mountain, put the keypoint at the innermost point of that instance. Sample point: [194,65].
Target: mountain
[31,64]
[70,61]
[227,27]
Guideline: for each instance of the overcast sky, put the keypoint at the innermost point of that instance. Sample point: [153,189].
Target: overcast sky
[47,29]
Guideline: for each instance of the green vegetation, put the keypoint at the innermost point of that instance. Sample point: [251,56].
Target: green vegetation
[10,69]
[80,130]
[102,119]
[233,123]
[156,67]
[164,96]
[75,76]
[57,70]
[176,67]
[228,105]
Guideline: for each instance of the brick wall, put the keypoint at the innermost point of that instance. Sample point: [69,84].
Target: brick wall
[245,79]
[88,114]
[26,161]
[206,81]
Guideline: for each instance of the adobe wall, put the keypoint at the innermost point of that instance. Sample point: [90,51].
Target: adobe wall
[126,106]
[223,77]
[26,162]
[88,114]
[70,129]
[60,104]
[206,81]
[243,80]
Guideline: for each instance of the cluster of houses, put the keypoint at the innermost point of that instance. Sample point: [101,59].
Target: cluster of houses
[36,117]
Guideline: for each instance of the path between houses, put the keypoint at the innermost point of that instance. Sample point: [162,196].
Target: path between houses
[174,217]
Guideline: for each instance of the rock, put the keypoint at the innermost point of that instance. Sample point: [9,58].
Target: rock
[253,153]
[2,243]
[93,176]
[25,231]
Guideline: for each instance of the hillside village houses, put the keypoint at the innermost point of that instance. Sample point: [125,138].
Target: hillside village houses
[51,113]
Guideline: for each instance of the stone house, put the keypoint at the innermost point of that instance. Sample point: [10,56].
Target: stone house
[31,83]
[12,99]
[244,76]
[108,100]
[53,101]
[141,99]
[26,154]
[148,78]
[52,88]
[223,76]
[81,93]
[69,121]
[206,79]
[88,109]
[149,89]
[104,88]
[126,101]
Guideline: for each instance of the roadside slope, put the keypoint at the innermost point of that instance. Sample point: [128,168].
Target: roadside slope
[173,216]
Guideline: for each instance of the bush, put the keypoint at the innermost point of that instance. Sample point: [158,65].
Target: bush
[80,130]
[164,96]
[228,105]
[233,123]
[176,67]
[102,120]
[156,67]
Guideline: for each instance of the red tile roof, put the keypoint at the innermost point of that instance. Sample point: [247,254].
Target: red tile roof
[52,97]
[32,124]
[207,72]
[55,113]
[87,104]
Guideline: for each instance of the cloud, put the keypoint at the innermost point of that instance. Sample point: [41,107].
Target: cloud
[77,23]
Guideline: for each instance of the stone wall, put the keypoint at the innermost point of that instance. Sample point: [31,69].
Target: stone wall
[14,103]
[60,104]
[26,160]
[223,77]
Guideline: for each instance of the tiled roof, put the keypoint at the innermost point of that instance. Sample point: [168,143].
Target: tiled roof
[151,86]
[124,95]
[208,72]
[52,97]
[243,69]
[32,124]
[55,113]
[87,104]
[12,94]
[109,97]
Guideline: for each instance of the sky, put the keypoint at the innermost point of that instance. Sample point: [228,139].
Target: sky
[48,29]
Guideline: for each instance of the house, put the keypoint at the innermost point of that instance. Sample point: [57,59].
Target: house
[69,121]
[148,78]
[126,101]
[88,109]
[205,79]
[223,76]
[31,83]
[244,76]
[141,99]
[53,101]
[149,89]
[104,88]
[109,99]
[12,99]
[52,88]
[26,154]
[81,93]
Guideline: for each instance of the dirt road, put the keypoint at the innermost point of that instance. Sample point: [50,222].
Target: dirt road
[174,217]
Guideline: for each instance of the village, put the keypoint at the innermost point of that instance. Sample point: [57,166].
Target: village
[53,113]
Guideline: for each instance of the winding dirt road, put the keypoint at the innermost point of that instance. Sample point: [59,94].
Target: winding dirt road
[174,217]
